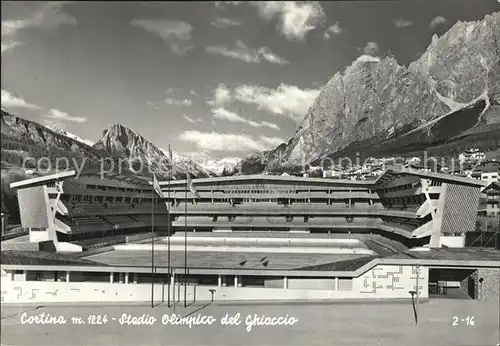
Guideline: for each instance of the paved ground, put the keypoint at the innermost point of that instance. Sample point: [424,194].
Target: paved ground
[352,324]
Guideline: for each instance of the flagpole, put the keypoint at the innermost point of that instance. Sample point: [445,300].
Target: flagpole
[169,230]
[152,249]
[185,243]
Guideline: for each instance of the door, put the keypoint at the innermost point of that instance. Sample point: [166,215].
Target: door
[471,287]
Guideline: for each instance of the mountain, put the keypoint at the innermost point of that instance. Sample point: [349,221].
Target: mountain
[444,101]
[22,138]
[57,129]
[140,155]
[185,163]
[257,162]
[24,143]
[224,166]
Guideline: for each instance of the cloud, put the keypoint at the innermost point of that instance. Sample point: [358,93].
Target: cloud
[268,55]
[402,23]
[228,142]
[248,55]
[222,113]
[191,120]
[154,105]
[371,48]
[171,100]
[11,27]
[295,19]
[222,95]
[10,100]
[9,45]
[63,116]
[223,23]
[44,15]
[222,4]
[174,102]
[287,100]
[436,21]
[176,34]
[335,29]
[49,15]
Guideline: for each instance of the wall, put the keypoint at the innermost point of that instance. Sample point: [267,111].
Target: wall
[489,289]
[390,280]
[460,209]
[312,284]
[33,207]
[383,282]
[246,249]
[19,246]
[453,241]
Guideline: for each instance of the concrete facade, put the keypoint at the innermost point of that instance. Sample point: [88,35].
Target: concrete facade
[382,282]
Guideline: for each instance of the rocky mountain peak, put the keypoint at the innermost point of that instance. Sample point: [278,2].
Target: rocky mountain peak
[376,101]
[122,142]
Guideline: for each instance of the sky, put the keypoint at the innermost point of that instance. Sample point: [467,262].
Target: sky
[211,79]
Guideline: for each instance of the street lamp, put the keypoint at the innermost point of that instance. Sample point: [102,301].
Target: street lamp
[413,294]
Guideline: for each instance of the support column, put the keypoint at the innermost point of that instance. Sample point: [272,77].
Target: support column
[111,277]
[236,281]
[336,284]
[25,274]
[126,278]
[219,281]
[67,276]
[285,282]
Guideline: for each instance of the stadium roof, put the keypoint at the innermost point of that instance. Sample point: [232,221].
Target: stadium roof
[349,265]
[291,179]
[392,173]
[451,254]
[43,179]
[12,257]
[434,258]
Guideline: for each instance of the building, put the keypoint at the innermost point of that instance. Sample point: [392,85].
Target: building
[332,173]
[258,237]
[66,210]
[490,200]
[488,172]
[471,155]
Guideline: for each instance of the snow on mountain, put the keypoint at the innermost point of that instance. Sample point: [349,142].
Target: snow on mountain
[218,166]
[59,130]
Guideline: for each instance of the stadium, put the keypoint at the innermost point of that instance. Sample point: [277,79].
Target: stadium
[247,238]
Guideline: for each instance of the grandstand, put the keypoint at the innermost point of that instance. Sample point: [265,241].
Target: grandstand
[71,211]
[248,237]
